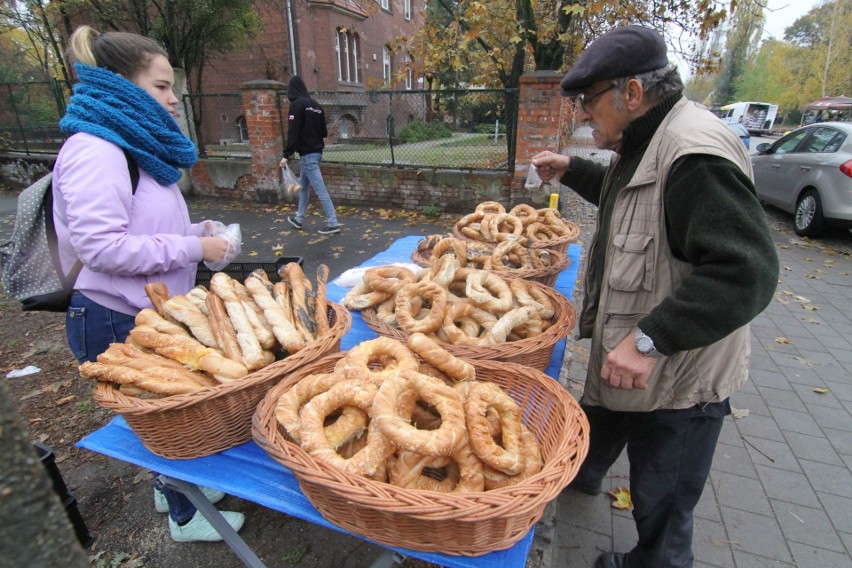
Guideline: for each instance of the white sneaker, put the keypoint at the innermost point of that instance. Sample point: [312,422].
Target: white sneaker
[200,529]
[162,506]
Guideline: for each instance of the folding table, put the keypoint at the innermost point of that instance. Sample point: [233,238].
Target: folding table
[247,472]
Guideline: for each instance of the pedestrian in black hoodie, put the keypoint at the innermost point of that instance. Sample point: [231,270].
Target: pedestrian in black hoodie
[306,128]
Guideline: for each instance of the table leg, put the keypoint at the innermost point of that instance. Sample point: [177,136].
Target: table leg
[229,535]
[388,559]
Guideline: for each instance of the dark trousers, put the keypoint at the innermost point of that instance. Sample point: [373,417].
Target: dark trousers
[670,453]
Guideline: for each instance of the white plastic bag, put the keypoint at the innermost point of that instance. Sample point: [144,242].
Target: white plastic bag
[289,183]
[535,184]
[230,233]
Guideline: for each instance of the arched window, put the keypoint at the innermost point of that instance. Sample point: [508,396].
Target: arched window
[346,46]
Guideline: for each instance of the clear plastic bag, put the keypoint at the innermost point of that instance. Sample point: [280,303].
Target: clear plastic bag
[289,183]
[230,233]
[536,184]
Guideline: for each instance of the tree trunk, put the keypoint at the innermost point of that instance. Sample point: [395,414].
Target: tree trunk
[35,530]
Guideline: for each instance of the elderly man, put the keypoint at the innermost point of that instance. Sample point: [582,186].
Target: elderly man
[681,262]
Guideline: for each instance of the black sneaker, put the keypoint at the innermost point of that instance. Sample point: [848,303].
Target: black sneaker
[328,230]
[292,221]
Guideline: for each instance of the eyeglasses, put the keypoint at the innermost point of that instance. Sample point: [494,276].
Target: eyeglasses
[585,100]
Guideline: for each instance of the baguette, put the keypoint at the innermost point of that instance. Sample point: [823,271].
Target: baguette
[182,309]
[158,293]
[139,379]
[321,309]
[147,316]
[255,315]
[197,296]
[283,329]
[189,352]
[299,300]
[223,330]
[223,286]
[155,365]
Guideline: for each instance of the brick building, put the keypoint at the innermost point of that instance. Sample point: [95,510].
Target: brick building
[335,45]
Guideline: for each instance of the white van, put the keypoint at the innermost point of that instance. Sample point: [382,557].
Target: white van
[758,118]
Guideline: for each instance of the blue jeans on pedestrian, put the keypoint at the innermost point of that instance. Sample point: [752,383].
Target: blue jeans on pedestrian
[310,176]
[670,454]
[90,328]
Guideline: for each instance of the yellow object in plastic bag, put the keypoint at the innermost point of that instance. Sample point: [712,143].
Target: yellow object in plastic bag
[554,201]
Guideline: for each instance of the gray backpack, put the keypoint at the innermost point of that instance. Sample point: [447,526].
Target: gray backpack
[29,260]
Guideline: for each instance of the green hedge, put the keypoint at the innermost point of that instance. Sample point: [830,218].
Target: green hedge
[418,131]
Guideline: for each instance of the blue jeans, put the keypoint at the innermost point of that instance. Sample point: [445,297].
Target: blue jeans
[310,175]
[90,328]
[670,454]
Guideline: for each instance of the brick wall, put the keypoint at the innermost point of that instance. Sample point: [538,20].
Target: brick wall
[540,106]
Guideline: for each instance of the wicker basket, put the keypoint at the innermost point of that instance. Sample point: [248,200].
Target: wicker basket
[463,524]
[533,352]
[546,276]
[559,243]
[217,418]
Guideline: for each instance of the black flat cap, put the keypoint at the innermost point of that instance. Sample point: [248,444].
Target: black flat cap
[622,52]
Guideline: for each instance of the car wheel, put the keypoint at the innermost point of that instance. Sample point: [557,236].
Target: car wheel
[809,221]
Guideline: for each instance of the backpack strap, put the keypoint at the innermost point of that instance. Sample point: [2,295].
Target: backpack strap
[71,279]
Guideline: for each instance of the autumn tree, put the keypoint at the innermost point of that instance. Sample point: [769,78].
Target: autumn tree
[743,35]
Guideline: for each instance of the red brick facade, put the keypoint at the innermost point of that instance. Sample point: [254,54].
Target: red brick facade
[315,25]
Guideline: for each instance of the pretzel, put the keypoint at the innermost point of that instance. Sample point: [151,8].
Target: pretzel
[283,329]
[533,462]
[386,311]
[370,460]
[430,291]
[361,297]
[526,213]
[521,257]
[386,412]
[489,291]
[291,402]
[443,270]
[396,357]
[512,320]
[440,358]
[509,457]
[388,279]
[507,227]
[452,246]
[490,207]
[529,295]
[459,310]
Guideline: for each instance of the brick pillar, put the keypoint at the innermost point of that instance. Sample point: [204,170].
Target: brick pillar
[263,122]
[539,111]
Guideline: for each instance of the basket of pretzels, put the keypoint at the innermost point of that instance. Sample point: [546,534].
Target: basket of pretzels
[510,258]
[537,228]
[410,446]
[474,314]
[193,369]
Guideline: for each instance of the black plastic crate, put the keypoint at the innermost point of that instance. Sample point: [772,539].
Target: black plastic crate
[240,270]
[48,460]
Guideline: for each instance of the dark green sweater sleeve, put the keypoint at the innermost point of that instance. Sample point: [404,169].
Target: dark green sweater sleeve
[585,178]
[717,225]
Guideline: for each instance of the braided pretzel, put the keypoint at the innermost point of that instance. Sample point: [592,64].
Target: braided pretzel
[495,479]
[465,309]
[489,291]
[490,207]
[386,412]
[508,458]
[361,297]
[434,294]
[440,358]
[526,213]
[292,401]
[393,355]
[512,320]
[388,279]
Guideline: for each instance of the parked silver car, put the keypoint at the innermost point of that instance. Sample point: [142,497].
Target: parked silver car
[808,172]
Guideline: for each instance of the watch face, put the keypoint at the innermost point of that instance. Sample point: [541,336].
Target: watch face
[644,345]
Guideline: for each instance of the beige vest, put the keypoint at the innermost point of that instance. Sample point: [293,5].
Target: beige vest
[641,271]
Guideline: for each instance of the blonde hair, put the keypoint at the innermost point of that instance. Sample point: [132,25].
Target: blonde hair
[121,52]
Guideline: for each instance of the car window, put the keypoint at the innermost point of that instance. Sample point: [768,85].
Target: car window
[789,142]
[823,140]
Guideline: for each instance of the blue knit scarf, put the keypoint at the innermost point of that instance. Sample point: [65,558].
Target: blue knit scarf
[107,105]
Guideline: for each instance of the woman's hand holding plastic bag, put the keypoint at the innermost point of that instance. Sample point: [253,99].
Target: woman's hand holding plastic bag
[232,235]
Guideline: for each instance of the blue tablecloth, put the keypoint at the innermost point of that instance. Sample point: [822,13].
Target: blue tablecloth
[247,472]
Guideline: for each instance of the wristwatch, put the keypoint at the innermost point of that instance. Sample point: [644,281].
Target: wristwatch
[644,344]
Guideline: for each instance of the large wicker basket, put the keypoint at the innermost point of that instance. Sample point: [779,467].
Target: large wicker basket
[533,352]
[216,418]
[463,524]
[546,276]
[559,243]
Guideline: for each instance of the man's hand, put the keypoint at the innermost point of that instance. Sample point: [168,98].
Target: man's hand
[625,368]
[549,165]
[282,163]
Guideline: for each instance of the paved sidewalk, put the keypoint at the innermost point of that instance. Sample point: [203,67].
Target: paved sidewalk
[780,490]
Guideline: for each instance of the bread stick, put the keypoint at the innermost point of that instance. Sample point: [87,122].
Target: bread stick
[223,330]
[284,330]
[223,286]
[147,316]
[189,352]
[255,315]
[321,309]
[182,309]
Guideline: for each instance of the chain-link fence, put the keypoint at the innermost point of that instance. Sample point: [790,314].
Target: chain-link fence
[461,129]
[29,116]
[219,125]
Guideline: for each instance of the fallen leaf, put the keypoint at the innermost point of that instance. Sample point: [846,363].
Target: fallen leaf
[253,253]
[621,498]
[783,341]
[788,268]
[785,247]
[810,308]
[64,400]
[811,321]
[142,475]
[738,413]
[820,390]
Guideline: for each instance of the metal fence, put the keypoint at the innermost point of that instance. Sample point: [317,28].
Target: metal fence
[29,116]
[218,124]
[460,129]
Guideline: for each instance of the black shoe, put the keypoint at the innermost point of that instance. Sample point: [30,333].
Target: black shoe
[328,229]
[583,487]
[292,221]
[612,560]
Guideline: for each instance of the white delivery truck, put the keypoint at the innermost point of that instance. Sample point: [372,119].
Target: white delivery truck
[758,118]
